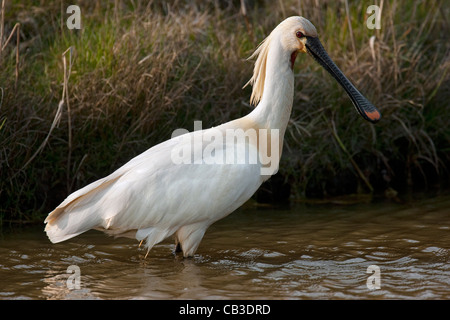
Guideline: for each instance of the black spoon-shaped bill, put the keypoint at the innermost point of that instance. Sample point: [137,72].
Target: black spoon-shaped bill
[366,109]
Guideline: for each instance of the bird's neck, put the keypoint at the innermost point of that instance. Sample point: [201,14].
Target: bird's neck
[274,109]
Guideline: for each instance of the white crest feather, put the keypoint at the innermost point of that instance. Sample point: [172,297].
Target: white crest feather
[259,71]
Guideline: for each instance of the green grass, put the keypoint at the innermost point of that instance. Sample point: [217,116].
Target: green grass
[141,71]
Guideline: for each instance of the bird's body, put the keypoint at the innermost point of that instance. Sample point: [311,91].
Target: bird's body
[153,197]
[150,198]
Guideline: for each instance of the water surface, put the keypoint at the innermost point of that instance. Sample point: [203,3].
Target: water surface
[301,252]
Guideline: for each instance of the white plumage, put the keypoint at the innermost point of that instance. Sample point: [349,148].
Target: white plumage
[151,197]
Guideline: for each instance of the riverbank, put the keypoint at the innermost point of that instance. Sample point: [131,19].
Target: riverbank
[136,72]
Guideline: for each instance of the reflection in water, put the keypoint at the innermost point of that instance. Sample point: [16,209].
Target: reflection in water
[317,252]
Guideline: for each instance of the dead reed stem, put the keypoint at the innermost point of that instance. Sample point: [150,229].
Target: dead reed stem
[69,122]
[59,110]
[16,29]
[350,30]
[350,158]
[247,22]
[2,27]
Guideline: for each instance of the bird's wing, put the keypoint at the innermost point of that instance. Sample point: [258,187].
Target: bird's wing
[157,189]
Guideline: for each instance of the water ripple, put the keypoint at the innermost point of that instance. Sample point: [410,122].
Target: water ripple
[318,252]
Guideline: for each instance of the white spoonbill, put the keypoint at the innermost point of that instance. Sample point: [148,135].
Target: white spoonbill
[153,197]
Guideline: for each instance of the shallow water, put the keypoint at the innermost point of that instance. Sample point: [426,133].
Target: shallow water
[303,252]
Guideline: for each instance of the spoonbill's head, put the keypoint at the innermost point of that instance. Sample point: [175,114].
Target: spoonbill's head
[297,34]
[293,33]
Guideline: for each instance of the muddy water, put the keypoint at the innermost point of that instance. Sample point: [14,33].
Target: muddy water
[303,252]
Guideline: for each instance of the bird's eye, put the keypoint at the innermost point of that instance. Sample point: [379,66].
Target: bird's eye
[299,34]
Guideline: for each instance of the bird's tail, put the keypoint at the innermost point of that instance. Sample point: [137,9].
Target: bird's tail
[79,212]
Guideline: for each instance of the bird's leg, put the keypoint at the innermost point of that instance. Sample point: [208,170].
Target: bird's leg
[178,248]
[148,251]
[177,245]
[189,237]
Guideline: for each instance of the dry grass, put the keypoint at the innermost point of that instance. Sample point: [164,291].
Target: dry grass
[139,71]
